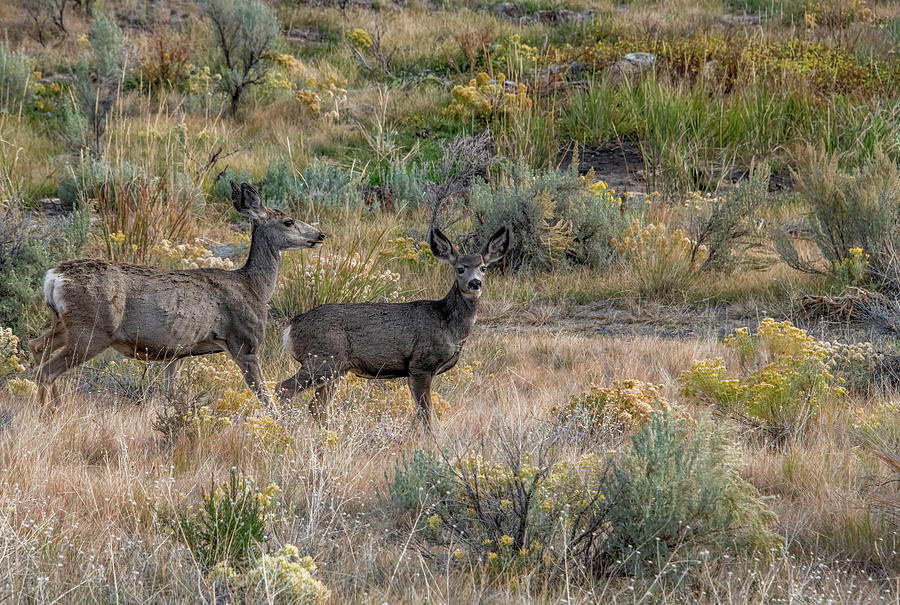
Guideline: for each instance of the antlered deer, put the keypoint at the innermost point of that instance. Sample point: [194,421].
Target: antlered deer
[162,315]
[417,339]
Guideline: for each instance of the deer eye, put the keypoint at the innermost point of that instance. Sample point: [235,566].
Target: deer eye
[483,268]
[289,223]
[460,270]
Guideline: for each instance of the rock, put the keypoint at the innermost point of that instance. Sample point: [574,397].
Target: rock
[632,65]
[643,60]
[557,76]
[53,206]
[738,21]
[561,15]
[509,10]
[305,35]
[227,250]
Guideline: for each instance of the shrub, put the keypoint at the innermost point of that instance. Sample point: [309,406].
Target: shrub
[322,184]
[230,524]
[327,185]
[624,407]
[484,98]
[786,375]
[503,510]
[356,275]
[284,187]
[245,33]
[850,212]
[284,578]
[16,88]
[137,211]
[96,87]
[553,216]
[661,260]
[27,250]
[678,491]
[507,508]
[165,60]
[419,481]
[463,161]
[406,185]
[11,355]
[728,227]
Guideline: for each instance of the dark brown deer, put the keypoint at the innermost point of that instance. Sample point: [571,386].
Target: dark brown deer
[417,339]
[161,315]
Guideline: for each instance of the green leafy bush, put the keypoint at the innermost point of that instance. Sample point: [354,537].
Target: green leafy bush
[419,481]
[677,491]
[327,185]
[16,88]
[283,188]
[554,216]
[230,525]
[405,184]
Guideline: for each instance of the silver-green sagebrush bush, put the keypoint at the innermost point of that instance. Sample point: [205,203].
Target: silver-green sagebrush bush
[27,249]
[555,217]
[849,211]
[245,32]
[676,492]
[16,86]
[95,85]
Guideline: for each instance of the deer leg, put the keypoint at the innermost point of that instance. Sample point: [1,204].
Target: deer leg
[170,376]
[249,365]
[72,354]
[318,405]
[304,379]
[47,343]
[420,387]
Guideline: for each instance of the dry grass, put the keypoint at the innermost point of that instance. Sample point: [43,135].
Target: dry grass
[85,492]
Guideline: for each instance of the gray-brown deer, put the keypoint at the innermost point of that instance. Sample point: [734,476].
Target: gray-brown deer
[417,339]
[162,315]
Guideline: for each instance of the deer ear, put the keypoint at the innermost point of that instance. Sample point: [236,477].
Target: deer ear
[496,247]
[441,247]
[246,201]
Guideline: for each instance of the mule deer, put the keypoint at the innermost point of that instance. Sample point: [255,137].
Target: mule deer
[160,315]
[417,339]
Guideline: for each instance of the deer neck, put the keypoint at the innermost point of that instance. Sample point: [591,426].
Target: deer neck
[261,269]
[460,313]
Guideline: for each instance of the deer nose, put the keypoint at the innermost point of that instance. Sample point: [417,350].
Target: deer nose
[475,284]
[320,237]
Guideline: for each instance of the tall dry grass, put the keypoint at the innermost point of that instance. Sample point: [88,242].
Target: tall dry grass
[85,493]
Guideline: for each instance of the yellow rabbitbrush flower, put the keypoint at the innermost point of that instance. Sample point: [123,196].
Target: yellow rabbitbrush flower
[786,375]
[21,387]
[10,354]
[626,406]
[359,38]
[484,98]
